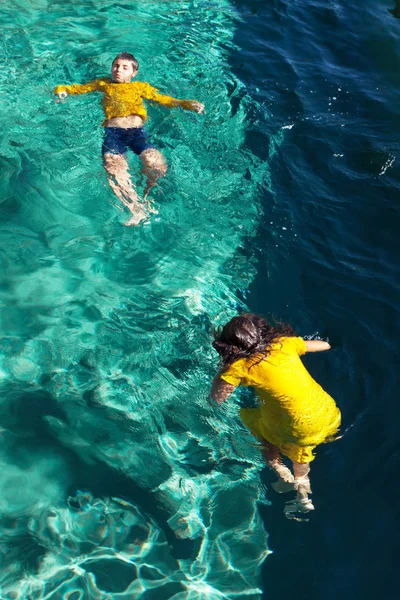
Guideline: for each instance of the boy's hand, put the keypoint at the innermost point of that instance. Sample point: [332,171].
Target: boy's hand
[61,96]
[195,106]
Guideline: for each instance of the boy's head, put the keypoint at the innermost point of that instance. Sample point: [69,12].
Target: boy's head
[124,67]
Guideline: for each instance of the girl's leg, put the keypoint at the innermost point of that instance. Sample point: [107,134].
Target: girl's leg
[303,503]
[302,480]
[273,459]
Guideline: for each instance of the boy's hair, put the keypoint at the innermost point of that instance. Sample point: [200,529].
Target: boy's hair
[128,56]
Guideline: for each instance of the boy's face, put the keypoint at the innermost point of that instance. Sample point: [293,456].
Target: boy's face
[122,70]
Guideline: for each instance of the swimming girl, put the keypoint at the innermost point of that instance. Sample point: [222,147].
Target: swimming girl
[123,128]
[294,415]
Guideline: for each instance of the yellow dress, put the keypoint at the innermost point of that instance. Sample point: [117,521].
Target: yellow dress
[295,413]
[123,99]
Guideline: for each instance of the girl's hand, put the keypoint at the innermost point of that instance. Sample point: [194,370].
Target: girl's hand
[317,345]
[220,390]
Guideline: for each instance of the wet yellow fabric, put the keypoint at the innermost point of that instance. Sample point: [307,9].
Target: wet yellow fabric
[295,413]
[123,99]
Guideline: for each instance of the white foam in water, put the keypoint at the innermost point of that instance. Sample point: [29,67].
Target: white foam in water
[106,353]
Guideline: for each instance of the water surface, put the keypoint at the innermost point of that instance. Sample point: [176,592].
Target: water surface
[119,480]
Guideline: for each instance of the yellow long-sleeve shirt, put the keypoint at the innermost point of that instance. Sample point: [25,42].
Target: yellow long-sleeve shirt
[123,99]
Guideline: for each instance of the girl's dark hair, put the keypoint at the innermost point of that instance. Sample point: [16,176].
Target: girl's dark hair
[246,336]
[127,56]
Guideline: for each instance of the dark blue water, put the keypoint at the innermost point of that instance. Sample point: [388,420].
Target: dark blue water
[331,69]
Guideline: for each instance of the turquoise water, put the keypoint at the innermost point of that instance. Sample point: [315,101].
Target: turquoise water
[111,456]
[118,480]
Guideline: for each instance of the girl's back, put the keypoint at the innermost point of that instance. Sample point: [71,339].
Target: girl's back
[291,401]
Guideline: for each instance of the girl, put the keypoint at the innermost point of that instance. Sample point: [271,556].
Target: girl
[294,415]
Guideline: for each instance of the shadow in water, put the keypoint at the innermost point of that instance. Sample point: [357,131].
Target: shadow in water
[26,434]
[396,10]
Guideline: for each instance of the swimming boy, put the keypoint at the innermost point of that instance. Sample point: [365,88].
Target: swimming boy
[123,127]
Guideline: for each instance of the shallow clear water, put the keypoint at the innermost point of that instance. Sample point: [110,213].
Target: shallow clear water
[109,447]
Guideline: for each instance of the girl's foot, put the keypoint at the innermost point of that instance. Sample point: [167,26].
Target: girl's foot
[298,506]
[282,487]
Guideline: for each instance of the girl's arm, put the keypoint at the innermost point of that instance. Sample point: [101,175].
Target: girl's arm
[220,390]
[317,345]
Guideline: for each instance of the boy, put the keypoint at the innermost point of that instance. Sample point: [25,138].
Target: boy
[123,126]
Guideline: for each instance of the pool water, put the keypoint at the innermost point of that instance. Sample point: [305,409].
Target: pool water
[112,456]
[119,480]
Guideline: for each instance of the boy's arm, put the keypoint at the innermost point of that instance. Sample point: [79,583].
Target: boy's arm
[151,93]
[221,390]
[77,88]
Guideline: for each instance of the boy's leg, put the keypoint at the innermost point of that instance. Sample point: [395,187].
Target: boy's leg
[273,459]
[154,167]
[120,182]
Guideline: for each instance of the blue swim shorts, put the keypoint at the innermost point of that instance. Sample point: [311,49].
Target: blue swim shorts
[117,140]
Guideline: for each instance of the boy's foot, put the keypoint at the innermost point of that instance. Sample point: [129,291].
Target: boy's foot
[150,207]
[282,487]
[135,220]
[137,217]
